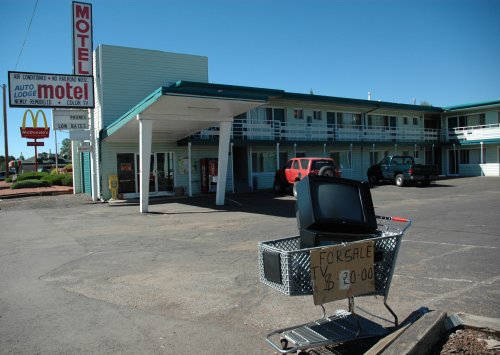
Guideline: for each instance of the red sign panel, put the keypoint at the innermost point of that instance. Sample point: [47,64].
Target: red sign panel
[35,144]
[35,133]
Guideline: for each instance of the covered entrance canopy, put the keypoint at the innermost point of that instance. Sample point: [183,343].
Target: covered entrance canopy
[178,111]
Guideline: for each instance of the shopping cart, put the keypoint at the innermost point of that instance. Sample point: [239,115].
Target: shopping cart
[286,268]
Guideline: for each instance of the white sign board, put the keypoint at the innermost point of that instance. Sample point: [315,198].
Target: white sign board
[79,135]
[82,38]
[70,119]
[50,90]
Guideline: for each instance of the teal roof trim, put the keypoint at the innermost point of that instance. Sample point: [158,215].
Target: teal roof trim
[369,104]
[130,115]
[472,105]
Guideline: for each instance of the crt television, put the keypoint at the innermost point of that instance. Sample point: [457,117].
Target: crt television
[333,209]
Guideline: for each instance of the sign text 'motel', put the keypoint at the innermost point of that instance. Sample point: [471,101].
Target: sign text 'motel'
[82,38]
[50,90]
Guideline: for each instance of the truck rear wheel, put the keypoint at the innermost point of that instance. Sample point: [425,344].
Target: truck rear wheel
[399,180]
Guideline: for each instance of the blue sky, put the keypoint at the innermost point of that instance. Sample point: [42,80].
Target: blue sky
[443,52]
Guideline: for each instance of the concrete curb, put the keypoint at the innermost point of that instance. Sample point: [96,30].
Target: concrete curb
[38,193]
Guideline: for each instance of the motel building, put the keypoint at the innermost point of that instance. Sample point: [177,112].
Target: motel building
[162,128]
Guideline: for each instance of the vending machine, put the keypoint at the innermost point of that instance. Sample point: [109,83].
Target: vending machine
[209,174]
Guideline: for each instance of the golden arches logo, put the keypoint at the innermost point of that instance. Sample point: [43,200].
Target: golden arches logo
[34,118]
[35,132]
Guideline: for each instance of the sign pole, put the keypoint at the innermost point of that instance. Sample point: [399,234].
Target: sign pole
[36,157]
[5,132]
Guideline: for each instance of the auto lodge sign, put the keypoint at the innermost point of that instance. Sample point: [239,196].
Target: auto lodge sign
[50,90]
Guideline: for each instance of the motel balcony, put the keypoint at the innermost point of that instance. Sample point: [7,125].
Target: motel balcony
[469,134]
[279,131]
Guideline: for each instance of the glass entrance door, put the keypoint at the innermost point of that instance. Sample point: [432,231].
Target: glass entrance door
[165,172]
[161,173]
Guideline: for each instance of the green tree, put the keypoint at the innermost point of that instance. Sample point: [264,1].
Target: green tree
[65,150]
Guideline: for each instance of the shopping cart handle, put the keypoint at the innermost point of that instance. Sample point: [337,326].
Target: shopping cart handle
[397,219]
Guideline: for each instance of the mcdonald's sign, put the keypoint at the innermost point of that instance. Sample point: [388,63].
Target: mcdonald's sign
[35,132]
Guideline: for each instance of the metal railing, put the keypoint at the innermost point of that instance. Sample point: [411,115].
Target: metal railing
[474,133]
[276,130]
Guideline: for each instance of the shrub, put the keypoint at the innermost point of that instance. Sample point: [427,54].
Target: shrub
[68,180]
[30,184]
[58,179]
[31,176]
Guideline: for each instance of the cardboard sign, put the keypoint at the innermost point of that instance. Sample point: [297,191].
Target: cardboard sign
[339,272]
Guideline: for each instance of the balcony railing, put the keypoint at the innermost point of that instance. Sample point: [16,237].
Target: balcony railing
[474,133]
[322,133]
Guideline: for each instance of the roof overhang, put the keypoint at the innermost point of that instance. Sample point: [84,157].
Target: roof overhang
[183,109]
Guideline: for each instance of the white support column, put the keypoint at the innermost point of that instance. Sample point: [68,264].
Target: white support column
[77,169]
[232,166]
[277,156]
[145,139]
[190,185]
[224,138]
[93,158]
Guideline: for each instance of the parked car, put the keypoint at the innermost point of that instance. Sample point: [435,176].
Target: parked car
[297,168]
[402,170]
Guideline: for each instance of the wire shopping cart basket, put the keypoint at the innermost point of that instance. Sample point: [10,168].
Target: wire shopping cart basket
[287,268]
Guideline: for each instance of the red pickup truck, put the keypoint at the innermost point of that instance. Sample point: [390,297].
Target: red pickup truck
[297,168]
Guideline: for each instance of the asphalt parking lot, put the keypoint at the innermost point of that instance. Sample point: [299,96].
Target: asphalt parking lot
[83,277]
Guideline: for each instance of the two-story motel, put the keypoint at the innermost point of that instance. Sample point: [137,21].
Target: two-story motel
[157,116]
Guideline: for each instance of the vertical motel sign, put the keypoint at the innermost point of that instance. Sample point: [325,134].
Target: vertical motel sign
[82,39]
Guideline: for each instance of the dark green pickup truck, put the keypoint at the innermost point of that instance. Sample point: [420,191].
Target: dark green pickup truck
[402,169]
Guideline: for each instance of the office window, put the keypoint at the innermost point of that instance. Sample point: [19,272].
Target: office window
[317,115]
[342,158]
[298,113]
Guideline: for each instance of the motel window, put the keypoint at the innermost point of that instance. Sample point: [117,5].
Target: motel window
[317,115]
[264,162]
[498,118]
[378,121]
[405,120]
[415,121]
[342,158]
[374,158]
[470,156]
[340,120]
[298,113]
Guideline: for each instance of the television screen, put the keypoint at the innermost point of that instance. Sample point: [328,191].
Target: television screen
[333,209]
[340,201]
